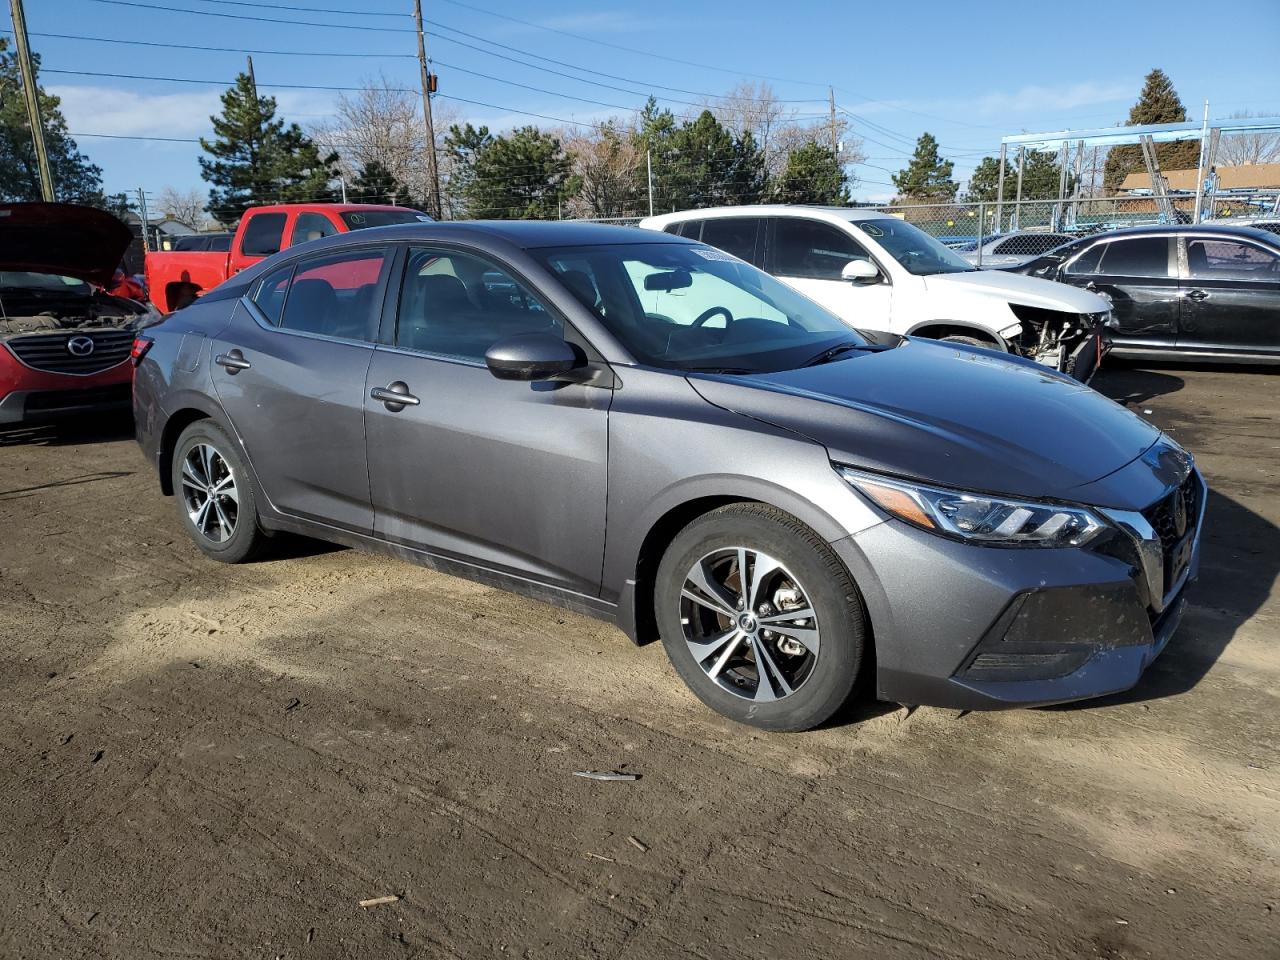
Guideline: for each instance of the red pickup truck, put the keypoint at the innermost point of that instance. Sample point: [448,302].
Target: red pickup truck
[176,278]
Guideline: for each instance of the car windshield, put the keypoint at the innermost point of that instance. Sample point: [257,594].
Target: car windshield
[42,283]
[359,219]
[918,252]
[692,307]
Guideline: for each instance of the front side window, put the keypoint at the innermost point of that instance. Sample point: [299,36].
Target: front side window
[1138,257]
[915,250]
[683,306]
[811,249]
[263,234]
[335,296]
[1087,263]
[459,305]
[311,226]
[736,235]
[1230,260]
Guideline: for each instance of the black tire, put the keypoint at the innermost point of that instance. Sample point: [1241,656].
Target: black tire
[246,537]
[824,583]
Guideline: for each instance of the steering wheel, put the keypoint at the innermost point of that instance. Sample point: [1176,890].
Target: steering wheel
[710,312]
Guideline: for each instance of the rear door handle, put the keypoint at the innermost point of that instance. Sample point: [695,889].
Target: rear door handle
[1198,295]
[233,361]
[395,395]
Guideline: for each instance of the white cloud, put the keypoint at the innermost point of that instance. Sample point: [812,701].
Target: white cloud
[1020,103]
[599,21]
[130,113]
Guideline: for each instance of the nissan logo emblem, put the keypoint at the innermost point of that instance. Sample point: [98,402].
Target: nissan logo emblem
[80,346]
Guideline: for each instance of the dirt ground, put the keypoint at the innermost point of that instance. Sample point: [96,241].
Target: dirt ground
[207,761]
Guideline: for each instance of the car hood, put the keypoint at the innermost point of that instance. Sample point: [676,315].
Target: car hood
[949,414]
[62,239]
[1015,288]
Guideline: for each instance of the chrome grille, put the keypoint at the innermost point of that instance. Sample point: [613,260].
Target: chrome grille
[49,351]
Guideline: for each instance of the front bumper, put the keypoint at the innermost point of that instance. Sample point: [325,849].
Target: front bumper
[972,627]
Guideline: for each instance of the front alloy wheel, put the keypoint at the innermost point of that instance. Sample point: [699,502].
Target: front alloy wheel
[748,624]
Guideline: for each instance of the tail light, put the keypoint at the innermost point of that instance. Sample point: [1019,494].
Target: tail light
[140,347]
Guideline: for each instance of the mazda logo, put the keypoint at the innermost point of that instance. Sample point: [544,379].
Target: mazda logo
[80,346]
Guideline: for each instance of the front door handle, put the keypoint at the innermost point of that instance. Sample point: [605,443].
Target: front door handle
[395,395]
[232,361]
[1197,295]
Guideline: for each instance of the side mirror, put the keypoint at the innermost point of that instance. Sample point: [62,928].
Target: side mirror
[530,356]
[860,271]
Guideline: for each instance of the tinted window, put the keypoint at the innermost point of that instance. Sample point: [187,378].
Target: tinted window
[335,296]
[269,295]
[1230,260]
[736,235]
[1139,257]
[262,234]
[1088,261]
[807,248]
[311,226]
[220,242]
[458,305]
[675,228]
[1030,244]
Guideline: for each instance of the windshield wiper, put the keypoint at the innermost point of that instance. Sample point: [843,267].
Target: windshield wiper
[831,353]
[718,370]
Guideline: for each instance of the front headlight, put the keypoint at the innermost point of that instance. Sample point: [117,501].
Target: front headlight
[978,517]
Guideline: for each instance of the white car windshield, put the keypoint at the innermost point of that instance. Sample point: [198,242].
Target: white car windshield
[918,252]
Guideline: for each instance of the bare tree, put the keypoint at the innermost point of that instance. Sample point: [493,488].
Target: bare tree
[382,123]
[185,206]
[608,164]
[754,108]
[1243,149]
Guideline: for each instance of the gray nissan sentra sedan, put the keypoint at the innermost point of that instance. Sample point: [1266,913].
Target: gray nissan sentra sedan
[648,430]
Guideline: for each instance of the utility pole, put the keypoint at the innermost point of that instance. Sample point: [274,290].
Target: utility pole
[253,82]
[33,99]
[835,136]
[433,171]
[648,162]
[146,220]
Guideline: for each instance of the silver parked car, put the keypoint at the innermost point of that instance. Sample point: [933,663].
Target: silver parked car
[1012,249]
[648,430]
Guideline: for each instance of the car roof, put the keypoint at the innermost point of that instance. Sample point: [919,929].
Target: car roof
[829,213]
[1177,229]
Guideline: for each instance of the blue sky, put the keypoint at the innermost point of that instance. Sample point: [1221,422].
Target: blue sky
[966,72]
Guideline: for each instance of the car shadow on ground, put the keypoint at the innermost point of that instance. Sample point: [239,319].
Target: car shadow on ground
[89,428]
[1131,385]
[1239,564]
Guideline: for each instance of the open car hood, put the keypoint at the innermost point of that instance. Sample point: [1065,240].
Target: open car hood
[62,239]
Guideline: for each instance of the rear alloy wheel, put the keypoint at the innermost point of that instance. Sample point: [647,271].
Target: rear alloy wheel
[760,618]
[213,494]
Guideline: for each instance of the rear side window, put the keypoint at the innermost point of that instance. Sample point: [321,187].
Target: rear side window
[269,295]
[1139,257]
[335,296]
[263,234]
[808,248]
[311,226]
[736,235]
[1230,260]
[220,243]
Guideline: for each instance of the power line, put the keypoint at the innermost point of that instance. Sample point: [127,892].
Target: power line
[192,46]
[242,16]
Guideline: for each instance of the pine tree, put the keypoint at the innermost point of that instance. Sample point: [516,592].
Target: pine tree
[1158,103]
[1041,178]
[376,184]
[462,145]
[258,159]
[75,179]
[927,178]
[812,175]
[699,163]
[524,175]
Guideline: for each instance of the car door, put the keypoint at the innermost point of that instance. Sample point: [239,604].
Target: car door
[290,373]
[1230,296]
[810,256]
[505,474]
[1139,276]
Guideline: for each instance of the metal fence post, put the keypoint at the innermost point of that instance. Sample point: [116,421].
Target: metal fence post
[982,222]
[1000,187]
